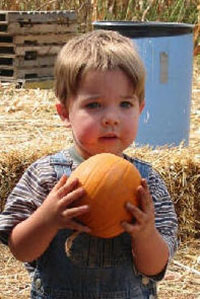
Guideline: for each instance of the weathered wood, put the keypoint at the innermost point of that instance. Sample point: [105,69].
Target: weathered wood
[43,39]
[36,39]
[4,78]
[6,44]
[7,55]
[6,67]
[26,73]
[20,62]
[34,73]
[16,29]
[27,17]
[38,50]
[34,51]
[30,42]
[31,82]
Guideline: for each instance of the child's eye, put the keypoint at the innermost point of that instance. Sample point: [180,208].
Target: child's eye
[93,105]
[126,104]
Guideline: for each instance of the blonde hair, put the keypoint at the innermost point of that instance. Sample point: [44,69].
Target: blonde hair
[97,50]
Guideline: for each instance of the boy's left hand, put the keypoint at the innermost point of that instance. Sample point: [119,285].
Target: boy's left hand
[143,215]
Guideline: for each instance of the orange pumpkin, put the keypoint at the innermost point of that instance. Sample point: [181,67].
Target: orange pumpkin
[110,181]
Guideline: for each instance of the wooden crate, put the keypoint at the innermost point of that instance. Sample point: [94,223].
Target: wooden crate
[30,42]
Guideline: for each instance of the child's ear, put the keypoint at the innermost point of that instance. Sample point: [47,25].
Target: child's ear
[63,113]
[142,105]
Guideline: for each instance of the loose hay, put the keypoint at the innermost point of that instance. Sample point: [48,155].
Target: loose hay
[14,279]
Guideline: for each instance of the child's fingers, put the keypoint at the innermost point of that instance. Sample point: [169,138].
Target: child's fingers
[144,184]
[130,228]
[145,199]
[61,182]
[75,212]
[67,188]
[71,197]
[136,212]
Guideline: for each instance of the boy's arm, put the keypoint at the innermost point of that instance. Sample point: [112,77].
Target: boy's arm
[152,258]
[30,238]
[150,249]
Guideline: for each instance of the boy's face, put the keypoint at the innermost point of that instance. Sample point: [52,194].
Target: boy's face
[104,114]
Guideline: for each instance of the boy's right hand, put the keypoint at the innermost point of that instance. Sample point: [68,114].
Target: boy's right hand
[56,210]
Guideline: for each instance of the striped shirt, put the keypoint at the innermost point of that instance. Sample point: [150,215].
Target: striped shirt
[39,179]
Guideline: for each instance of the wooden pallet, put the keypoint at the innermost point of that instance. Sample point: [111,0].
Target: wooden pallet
[22,74]
[29,60]
[16,29]
[30,42]
[36,39]
[32,17]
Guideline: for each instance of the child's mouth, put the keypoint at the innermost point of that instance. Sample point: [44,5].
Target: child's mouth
[110,137]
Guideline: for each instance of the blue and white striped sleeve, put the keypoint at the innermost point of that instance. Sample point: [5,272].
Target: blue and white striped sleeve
[27,196]
[165,215]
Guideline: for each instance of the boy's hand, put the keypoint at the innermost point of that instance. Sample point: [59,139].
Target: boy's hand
[150,252]
[56,210]
[144,224]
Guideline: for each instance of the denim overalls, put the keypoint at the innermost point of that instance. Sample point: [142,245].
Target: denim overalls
[96,268]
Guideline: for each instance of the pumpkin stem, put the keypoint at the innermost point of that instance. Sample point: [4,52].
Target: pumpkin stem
[69,242]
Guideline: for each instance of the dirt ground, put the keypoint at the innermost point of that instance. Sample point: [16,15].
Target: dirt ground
[28,117]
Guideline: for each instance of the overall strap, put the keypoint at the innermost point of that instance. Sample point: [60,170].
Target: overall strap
[61,164]
[143,167]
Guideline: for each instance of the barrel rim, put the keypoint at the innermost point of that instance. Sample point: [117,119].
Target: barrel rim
[142,29]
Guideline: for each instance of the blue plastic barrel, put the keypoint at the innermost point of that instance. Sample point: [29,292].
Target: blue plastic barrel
[167,52]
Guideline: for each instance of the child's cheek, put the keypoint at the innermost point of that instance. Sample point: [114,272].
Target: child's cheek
[85,131]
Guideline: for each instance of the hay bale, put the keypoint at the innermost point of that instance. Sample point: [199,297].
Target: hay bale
[179,167]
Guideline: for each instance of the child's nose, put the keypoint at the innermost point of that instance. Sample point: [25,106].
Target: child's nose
[110,119]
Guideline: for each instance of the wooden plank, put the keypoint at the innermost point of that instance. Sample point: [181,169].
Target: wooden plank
[43,39]
[20,62]
[6,67]
[6,45]
[37,51]
[27,17]
[45,82]
[40,61]
[7,55]
[6,79]
[34,73]
[2,33]
[16,29]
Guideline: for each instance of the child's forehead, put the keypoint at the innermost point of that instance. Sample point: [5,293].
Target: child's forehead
[98,72]
[100,81]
